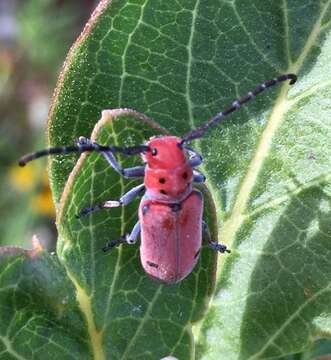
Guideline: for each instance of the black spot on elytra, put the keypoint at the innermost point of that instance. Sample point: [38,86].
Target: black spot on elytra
[151,264]
[162,180]
[163,192]
[185,176]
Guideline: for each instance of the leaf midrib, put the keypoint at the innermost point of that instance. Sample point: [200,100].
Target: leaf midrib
[6,341]
[234,222]
[85,304]
[282,105]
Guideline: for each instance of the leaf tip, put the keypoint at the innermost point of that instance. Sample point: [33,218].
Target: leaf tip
[36,249]
[36,246]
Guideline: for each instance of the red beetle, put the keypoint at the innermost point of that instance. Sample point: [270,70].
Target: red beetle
[170,212]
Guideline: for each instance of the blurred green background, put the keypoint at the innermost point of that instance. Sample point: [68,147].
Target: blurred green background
[35,36]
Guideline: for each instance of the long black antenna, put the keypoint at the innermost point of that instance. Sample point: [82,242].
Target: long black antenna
[133,150]
[199,132]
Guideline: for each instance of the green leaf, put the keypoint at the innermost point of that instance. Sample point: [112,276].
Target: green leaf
[268,168]
[38,308]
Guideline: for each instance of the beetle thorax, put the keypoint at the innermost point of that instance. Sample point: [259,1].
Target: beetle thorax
[168,175]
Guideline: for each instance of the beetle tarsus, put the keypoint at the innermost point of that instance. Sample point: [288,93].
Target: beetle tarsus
[218,247]
[113,243]
[87,211]
[83,141]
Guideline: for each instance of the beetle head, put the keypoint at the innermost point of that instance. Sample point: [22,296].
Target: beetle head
[165,152]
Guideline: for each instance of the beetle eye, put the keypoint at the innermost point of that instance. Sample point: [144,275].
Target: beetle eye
[154,151]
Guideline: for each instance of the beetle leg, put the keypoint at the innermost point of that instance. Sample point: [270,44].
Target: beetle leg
[196,159]
[198,177]
[132,237]
[213,244]
[127,238]
[111,244]
[137,171]
[124,200]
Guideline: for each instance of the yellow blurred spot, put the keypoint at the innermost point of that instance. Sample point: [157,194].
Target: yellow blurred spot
[22,178]
[34,179]
[42,202]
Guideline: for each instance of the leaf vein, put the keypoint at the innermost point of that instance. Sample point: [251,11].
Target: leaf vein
[289,320]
